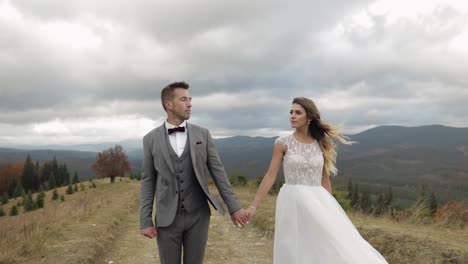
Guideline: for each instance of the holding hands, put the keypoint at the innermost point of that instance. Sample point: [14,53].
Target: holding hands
[242,217]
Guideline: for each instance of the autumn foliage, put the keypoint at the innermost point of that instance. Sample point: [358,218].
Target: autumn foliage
[454,214]
[10,173]
[111,163]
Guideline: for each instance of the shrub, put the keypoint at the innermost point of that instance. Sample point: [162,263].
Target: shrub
[69,189]
[29,204]
[14,210]
[453,214]
[55,195]
[239,180]
[5,198]
[40,200]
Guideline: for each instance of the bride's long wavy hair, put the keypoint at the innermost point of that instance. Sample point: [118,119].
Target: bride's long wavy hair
[323,133]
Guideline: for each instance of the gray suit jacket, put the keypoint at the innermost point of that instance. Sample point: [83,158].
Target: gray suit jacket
[158,182]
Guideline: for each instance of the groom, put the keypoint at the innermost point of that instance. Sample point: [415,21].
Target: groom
[178,160]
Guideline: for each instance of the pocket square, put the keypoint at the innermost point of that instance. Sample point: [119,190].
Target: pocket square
[199,142]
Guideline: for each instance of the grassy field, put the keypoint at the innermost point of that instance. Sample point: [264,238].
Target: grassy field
[87,225]
[399,243]
[74,231]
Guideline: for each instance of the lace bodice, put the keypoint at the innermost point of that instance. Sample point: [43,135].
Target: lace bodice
[302,163]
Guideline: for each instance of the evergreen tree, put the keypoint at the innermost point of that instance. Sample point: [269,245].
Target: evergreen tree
[14,210]
[40,200]
[29,204]
[12,188]
[23,196]
[69,189]
[75,178]
[420,211]
[62,198]
[5,198]
[366,204]
[37,171]
[55,171]
[29,177]
[75,187]
[18,191]
[66,174]
[55,195]
[2,213]
[46,172]
[52,180]
[355,198]
[380,205]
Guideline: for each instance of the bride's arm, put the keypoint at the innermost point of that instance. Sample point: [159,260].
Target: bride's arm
[269,179]
[326,181]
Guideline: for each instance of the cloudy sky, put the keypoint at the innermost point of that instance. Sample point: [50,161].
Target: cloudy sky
[91,71]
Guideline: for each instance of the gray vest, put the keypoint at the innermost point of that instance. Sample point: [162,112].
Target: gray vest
[191,195]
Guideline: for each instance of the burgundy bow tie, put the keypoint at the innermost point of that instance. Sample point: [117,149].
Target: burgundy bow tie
[176,129]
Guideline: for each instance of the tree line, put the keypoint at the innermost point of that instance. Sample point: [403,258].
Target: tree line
[32,176]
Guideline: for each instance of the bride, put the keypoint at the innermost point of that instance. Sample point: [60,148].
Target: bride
[310,225]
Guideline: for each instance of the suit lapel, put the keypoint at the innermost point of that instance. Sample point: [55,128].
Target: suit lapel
[162,140]
[192,139]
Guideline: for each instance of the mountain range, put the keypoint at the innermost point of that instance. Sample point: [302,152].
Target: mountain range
[403,158]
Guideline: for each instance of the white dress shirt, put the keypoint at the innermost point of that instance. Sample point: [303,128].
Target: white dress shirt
[177,139]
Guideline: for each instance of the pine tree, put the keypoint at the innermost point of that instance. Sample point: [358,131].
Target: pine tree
[40,200]
[55,172]
[75,178]
[5,198]
[2,213]
[37,170]
[69,189]
[18,191]
[62,198]
[420,211]
[52,180]
[55,195]
[28,179]
[75,187]
[365,201]
[380,205]
[14,210]
[29,204]
[12,188]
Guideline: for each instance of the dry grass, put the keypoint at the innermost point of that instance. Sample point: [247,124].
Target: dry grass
[86,227]
[400,243]
[74,231]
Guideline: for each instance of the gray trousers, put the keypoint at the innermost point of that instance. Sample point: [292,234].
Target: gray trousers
[188,232]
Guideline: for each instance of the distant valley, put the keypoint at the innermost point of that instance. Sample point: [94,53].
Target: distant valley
[404,158]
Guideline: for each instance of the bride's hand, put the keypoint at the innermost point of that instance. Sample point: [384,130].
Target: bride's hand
[251,211]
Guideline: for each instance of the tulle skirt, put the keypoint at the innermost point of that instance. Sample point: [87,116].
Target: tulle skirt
[311,227]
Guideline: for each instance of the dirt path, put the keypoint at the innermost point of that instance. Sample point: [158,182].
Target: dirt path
[226,244]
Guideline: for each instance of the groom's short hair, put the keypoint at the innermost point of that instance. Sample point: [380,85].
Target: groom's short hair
[168,92]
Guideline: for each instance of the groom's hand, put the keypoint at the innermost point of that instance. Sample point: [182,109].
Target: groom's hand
[240,217]
[150,232]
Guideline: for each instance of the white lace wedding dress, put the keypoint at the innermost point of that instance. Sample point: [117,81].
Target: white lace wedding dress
[310,225]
